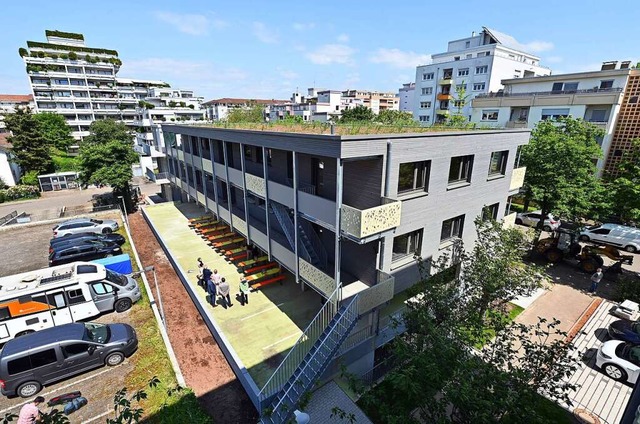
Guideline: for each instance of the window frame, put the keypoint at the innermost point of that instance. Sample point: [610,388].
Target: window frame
[465,170]
[410,241]
[479,86]
[482,70]
[487,113]
[421,173]
[493,209]
[463,72]
[427,76]
[456,228]
[502,162]
[426,91]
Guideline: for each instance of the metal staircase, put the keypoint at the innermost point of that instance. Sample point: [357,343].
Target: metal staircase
[315,362]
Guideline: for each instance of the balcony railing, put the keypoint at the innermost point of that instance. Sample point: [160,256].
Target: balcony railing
[445,81]
[376,295]
[549,93]
[516,124]
[517,178]
[363,223]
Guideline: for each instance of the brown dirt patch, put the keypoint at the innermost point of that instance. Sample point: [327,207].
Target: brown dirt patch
[203,364]
[573,332]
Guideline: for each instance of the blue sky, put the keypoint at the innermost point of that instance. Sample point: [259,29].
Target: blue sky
[260,49]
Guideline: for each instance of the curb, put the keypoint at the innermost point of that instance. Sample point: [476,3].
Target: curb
[584,317]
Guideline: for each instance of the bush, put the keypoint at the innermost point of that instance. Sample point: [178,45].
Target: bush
[73,56]
[64,56]
[30,178]
[41,55]
[87,58]
[19,192]
[53,56]
[23,52]
[191,107]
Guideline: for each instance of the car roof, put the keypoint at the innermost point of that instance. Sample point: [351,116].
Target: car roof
[73,331]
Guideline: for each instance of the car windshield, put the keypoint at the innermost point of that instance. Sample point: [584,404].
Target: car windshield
[96,221]
[98,333]
[116,278]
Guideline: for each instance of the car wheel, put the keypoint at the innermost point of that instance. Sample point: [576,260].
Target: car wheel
[583,238]
[615,372]
[106,231]
[122,305]
[553,255]
[518,221]
[630,249]
[588,265]
[546,228]
[28,389]
[114,359]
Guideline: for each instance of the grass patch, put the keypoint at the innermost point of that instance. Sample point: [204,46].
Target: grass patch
[489,333]
[62,162]
[554,413]
[151,360]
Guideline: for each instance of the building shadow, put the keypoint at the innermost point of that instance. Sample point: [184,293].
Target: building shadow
[602,334]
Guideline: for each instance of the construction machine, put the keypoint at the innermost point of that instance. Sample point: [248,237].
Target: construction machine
[563,244]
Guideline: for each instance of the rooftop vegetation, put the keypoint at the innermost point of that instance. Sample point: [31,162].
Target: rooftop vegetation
[62,34]
[52,46]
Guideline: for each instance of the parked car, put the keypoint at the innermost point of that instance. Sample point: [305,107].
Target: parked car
[628,331]
[619,360]
[67,253]
[110,238]
[29,362]
[85,225]
[627,238]
[531,219]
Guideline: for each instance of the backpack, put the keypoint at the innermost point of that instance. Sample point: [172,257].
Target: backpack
[59,400]
[74,405]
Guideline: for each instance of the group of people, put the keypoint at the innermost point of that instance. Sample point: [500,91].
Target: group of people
[215,284]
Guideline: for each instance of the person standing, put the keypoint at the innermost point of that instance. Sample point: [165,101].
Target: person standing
[200,276]
[595,280]
[30,412]
[244,291]
[225,290]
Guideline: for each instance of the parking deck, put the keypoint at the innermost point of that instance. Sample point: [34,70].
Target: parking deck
[259,333]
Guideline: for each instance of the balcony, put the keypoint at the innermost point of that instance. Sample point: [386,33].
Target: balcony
[517,178]
[444,112]
[445,96]
[360,224]
[600,124]
[445,81]
[549,93]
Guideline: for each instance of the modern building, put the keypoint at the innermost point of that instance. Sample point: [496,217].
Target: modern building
[374,100]
[218,109]
[406,97]
[604,98]
[9,103]
[345,215]
[476,64]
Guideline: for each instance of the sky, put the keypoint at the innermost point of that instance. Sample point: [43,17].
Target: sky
[260,49]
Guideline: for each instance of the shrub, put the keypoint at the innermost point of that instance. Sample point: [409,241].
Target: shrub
[183,104]
[73,56]
[87,58]
[64,56]
[627,288]
[191,107]
[23,52]
[19,192]
[53,56]
[30,178]
[40,55]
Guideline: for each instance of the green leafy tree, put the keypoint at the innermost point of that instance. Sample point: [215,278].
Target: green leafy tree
[294,119]
[459,102]
[255,113]
[395,117]
[55,130]
[30,147]
[624,190]
[106,156]
[357,114]
[561,167]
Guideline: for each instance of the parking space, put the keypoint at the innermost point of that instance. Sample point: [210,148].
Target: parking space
[597,392]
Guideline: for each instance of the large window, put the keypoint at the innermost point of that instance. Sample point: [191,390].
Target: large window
[427,76]
[460,169]
[554,113]
[482,69]
[414,176]
[406,245]
[490,212]
[427,90]
[425,105]
[490,115]
[498,164]
[479,86]
[452,228]
[463,72]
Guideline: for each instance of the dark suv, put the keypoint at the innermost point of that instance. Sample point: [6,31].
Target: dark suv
[86,251]
[76,238]
[29,362]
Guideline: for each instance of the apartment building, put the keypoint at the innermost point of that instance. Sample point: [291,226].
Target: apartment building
[9,103]
[406,99]
[345,215]
[218,109]
[374,100]
[599,97]
[477,64]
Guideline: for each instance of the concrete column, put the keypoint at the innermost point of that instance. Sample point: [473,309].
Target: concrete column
[226,170]
[338,254]
[244,192]
[215,181]
[265,172]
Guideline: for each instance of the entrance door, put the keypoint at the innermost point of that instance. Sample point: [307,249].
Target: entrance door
[60,312]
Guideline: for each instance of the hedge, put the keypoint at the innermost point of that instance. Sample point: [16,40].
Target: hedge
[70,48]
[19,192]
[62,34]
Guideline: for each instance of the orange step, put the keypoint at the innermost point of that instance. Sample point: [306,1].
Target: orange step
[256,286]
[260,268]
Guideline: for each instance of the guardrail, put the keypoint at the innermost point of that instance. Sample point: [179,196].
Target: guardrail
[8,218]
[549,93]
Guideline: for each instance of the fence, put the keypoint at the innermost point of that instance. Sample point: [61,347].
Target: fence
[8,218]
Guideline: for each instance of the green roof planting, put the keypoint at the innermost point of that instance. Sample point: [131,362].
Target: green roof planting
[70,48]
[62,34]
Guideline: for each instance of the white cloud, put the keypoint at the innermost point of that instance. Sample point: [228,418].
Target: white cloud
[332,53]
[343,38]
[397,58]
[300,26]
[538,46]
[192,24]
[351,79]
[265,34]
[553,59]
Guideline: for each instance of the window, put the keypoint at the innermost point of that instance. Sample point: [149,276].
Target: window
[490,212]
[478,86]
[424,118]
[460,169]
[75,296]
[452,228]
[482,69]
[469,56]
[606,84]
[259,157]
[467,44]
[427,76]
[75,349]
[413,176]
[456,58]
[40,359]
[602,231]
[490,115]
[425,105]
[461,87]
[248,150]
[56,300]
[598,115]
[19,365]
[498,164]
[463,72]
[554,113]
[427,90]
[406,245]
[101,288]
[4,313]
[564,86]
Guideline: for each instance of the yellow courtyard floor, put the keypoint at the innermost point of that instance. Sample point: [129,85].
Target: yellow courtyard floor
[261,332]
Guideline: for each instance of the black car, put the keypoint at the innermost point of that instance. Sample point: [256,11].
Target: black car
[109,238]
[629,331]
[82,252]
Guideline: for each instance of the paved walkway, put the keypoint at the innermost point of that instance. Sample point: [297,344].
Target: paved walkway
[597,392]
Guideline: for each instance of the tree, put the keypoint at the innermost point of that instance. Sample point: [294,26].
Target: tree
[624,190]
[255,113]
[294,119]
[395,117]
[459,102]
[55,130]
[561,167]
[357,114]
[30,147]
[106,156]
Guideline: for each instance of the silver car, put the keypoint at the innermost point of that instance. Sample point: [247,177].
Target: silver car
[531,219]
[85,225]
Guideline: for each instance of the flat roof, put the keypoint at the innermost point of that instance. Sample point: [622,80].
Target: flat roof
[58,174]
[555,77]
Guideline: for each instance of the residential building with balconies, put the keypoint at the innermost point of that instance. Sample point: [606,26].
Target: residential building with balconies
[477,64]
[218,109]
[344,216]
[595,96]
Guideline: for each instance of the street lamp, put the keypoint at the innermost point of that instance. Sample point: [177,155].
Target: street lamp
[124,210]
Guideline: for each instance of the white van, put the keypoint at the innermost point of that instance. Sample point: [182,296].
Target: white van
[627,238]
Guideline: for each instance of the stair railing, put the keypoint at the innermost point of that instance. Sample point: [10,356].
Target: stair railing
[316,244]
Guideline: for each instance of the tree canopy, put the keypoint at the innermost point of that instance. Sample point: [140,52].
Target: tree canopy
[55,130]
[561,167]
[30,147]
[624,189]
[357,114]
[395,117]
[255,113]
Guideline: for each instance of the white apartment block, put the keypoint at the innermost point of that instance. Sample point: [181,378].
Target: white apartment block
[9,170]
[218,109]
[9,103]
[406,97]
[479,64]
[594,96]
